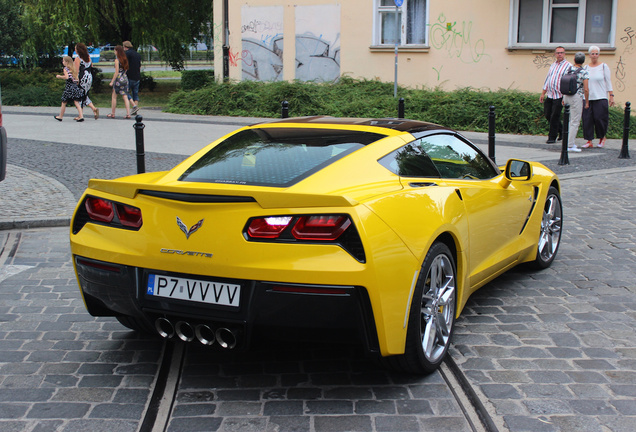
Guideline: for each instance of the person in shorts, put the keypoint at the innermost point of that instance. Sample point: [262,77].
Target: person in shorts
[134,75]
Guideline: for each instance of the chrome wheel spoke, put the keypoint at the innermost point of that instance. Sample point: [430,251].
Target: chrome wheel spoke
[550,228]
[429,339]
[437,308]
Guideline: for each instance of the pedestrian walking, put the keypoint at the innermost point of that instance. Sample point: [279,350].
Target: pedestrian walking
[134,75]
[551,96]
[119,82]
[72,91]
[84,65]
[596,117]
[577,101]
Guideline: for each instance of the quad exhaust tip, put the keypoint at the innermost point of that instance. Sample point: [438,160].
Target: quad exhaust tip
[205,334]
[227,338]
[164,327]
[184,331]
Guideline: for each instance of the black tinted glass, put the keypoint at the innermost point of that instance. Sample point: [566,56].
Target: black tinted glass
[277,157]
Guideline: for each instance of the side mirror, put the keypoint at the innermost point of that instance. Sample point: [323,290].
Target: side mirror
[518,170]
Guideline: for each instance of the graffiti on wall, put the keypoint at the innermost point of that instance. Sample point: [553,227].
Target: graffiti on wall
[261,57]
[317,43]
[628,38]
[457,40]
[543,61]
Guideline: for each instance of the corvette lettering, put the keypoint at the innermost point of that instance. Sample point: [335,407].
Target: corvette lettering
[183,252]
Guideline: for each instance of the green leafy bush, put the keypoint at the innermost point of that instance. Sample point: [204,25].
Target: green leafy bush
[147,82]
[516,112]
[196,79]
[107,56]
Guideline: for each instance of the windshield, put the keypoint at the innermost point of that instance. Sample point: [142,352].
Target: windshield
[277,157]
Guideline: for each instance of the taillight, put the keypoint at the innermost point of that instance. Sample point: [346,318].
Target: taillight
[110,212]
[128,215]
[313,227]
[321,227]
[100,209]
[268,227]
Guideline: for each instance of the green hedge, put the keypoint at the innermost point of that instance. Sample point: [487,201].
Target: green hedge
[463,109]
[196,79]
[39,87]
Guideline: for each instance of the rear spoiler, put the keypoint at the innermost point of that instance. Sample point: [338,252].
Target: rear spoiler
[266,198]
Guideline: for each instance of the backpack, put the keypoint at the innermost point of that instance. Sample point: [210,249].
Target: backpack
[569,85]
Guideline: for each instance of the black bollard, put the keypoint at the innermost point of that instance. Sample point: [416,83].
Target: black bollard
[284,110]
[139,142]
[401,108]
[625,148]
[491,133]
[565,134]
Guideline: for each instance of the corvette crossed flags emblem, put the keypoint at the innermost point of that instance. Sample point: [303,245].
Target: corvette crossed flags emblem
[184,227]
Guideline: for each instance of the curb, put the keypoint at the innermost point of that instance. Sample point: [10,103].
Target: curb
[35,223]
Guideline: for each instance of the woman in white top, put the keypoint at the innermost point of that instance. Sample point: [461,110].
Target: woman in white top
[596,117]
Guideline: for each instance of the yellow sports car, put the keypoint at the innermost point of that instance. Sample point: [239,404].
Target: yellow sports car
[376,228]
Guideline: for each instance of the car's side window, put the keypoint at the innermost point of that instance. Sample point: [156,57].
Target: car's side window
[455,158]
[441,155]
[410,161]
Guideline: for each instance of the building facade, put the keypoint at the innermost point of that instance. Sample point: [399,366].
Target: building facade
[447,44]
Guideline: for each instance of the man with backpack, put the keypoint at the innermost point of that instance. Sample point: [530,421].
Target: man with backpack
[577,97]
[551,96]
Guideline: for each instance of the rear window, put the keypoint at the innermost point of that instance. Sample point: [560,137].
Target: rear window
[278,157]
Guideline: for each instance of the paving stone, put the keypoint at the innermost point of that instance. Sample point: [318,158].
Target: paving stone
[396,423]
[348,423]
[181,424]
[58,410]
[120,411]
[278,408]
[242,424]
[375,407]
[414,407]
[200,409]
[500,391]
[235,408]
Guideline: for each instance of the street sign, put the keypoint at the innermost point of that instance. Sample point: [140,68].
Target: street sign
[399,3]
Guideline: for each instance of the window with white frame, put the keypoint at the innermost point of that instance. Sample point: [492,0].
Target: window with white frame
[411,22]
[562,22]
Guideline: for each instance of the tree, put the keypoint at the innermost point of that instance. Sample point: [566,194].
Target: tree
[170,25]
[12,34]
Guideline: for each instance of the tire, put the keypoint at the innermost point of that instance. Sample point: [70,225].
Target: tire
[550,232]
[135,324]
[432,314]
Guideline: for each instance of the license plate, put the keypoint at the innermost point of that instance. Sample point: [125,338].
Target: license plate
[217,293]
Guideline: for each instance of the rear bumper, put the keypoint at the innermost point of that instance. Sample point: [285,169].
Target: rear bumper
[114,290]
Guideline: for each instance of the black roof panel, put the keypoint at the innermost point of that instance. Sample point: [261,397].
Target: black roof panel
[402,125]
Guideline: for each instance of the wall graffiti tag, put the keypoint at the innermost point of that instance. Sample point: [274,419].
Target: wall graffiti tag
[542,61]
[317,43]
[628,38]
[261,57]
[457,40]
[630,34]
[620,75]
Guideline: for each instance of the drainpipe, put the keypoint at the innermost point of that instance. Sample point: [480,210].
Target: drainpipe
[226,42]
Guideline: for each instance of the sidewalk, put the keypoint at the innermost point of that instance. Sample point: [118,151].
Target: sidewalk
[30,199]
